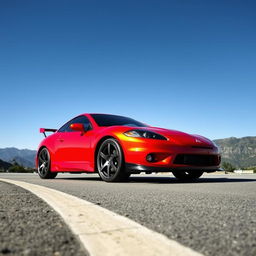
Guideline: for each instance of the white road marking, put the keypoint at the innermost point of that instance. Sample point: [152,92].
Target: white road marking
[103,232]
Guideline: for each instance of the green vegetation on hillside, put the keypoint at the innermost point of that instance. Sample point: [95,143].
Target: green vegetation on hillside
[239,152]
[4,165]
[18,168]
[228,167]
[14,167]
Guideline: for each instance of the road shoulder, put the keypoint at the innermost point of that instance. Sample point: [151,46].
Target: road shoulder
[103,232]
[28,226]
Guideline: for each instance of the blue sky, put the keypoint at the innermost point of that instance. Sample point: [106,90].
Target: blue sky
[185,65]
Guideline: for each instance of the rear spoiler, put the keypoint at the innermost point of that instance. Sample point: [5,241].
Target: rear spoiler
[44,130]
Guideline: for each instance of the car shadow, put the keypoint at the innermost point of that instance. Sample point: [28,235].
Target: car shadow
[166,180]
[163,180]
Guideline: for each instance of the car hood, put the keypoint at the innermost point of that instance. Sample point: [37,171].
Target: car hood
[182,138]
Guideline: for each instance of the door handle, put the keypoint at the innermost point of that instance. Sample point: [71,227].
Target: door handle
[60,140]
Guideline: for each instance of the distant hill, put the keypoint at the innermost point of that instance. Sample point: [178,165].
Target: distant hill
[240,152]
[4,165]
[24,157]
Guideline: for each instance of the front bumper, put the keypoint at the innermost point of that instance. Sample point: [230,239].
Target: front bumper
[168,156]
[136,168]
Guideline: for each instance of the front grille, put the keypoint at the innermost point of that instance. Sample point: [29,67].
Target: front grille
[197,160]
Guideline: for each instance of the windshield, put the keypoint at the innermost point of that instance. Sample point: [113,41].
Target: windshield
[111,120]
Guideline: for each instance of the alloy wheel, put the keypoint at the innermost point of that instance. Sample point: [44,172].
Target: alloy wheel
[111,162]
[109,159]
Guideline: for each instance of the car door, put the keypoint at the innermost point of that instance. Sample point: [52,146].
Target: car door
[73,147]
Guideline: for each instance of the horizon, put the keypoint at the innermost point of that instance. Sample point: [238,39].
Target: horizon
[183,66]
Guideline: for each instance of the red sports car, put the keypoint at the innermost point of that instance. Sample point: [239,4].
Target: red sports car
[116,147]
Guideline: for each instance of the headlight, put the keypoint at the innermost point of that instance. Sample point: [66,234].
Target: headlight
[144,134]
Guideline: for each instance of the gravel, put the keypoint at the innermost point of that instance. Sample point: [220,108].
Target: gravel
[28,226]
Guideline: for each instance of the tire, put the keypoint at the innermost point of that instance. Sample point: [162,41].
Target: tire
[110,161]
[44,164]
[187,175]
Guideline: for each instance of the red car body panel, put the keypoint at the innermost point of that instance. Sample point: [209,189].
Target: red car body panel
[75,152]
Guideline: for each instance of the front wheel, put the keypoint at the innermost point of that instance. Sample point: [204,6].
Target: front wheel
[187,175]
[44,164]
[110,161]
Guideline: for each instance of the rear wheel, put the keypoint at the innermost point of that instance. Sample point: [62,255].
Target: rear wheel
[110,161]
[44,163]
[187,175]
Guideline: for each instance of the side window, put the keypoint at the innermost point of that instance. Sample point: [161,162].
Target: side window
[65,127]
[80,120]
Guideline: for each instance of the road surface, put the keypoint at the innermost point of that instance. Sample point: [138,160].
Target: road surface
[214,216]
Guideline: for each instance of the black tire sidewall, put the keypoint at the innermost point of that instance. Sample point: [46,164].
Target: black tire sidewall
[48,174]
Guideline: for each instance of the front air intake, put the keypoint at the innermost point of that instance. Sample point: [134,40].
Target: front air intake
[197,160]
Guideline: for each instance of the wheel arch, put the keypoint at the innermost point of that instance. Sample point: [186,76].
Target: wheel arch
[43,146]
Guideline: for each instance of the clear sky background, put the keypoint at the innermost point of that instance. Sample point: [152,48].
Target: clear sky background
[185,65]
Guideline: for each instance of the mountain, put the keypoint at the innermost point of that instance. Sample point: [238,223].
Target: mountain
[4,165]
[24,157]
[240,152]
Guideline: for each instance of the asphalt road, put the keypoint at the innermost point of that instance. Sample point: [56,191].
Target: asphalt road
[29,227]
[214,216]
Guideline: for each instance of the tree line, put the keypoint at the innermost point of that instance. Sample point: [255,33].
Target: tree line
[15,167]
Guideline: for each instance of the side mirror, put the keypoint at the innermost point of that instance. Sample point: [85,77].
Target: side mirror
[77,127]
